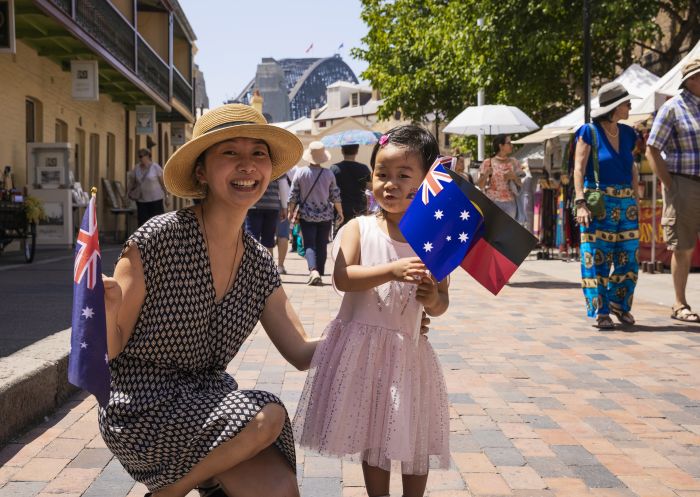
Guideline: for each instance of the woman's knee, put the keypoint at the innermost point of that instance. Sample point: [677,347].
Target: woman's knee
[269,422]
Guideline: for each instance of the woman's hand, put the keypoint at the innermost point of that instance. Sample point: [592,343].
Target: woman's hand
[427,291]
[113,296]
[424,324]
[583,215]
[510,175]
[408,270]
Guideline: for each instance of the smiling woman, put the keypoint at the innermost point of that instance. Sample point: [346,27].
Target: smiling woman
[187,291]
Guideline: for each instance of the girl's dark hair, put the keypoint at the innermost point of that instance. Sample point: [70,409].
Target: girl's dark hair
[496,143]
[415,139]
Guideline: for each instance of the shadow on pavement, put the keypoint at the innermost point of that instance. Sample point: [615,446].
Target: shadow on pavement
[545,285]
[671,327]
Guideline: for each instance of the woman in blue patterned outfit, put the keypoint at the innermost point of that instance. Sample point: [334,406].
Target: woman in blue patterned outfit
[613,238]
[315,191]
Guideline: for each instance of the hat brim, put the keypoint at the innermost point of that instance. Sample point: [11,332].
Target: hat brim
[604,110]
[178,174]
[308,157]
[688,76]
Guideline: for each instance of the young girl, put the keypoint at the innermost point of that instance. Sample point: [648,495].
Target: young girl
[376,388]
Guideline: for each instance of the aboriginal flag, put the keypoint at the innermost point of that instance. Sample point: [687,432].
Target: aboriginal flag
[502,246]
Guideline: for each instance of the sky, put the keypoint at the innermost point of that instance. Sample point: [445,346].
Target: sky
[233,36]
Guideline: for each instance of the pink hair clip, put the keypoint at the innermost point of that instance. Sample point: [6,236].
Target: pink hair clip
[383,140]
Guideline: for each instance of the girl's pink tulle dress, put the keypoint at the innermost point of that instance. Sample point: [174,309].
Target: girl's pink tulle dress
[375,388]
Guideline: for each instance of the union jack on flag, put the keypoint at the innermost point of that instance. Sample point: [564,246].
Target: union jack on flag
[88,249]
[431,183]
[88,361]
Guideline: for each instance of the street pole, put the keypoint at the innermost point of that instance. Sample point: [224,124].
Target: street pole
[587,60]
[480,100]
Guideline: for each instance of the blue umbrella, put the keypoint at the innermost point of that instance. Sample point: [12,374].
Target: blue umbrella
[350,137]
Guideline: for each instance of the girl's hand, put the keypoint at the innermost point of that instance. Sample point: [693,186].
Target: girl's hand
[583,215]
[408,270]
[424,324]
[113,296]
[427,291]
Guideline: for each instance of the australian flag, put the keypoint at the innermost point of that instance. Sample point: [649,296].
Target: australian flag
[87,362]
[441,224]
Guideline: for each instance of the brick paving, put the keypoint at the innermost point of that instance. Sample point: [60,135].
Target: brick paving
[541,403]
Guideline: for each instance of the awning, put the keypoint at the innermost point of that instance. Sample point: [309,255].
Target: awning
[543,135]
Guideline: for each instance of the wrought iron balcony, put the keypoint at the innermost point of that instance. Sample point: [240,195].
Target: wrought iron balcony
[182,90]
[153,70]
[108,27]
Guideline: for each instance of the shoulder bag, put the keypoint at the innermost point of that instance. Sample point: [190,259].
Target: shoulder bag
[296,215]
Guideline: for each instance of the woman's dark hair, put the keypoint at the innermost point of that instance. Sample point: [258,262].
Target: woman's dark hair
[497,141]
[608,116]
[412,137]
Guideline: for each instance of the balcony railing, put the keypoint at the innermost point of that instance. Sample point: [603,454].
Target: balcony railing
[110,29]
[64,5]
[182,90]
[153,70]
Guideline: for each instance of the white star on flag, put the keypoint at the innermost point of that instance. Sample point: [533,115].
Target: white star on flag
[438,214]
[449,238]
[83,345]
[88,313]
[427,246]
[463,237]
[464,215]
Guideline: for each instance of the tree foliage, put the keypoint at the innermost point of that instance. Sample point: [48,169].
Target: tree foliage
[430,56]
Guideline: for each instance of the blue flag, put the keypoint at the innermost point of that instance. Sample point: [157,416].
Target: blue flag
[441,224]
[87,362]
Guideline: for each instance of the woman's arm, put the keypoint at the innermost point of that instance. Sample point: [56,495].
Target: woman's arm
[350,276]
[124,297]
[484,174]
[282,325]
[583,150]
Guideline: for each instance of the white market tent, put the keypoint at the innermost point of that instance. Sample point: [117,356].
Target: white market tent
[635,78]
[666,86]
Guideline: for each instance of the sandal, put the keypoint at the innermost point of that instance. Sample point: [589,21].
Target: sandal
[685,313]
[625,317]
[604,323]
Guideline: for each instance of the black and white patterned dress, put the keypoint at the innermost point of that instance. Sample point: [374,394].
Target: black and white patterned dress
[172,401]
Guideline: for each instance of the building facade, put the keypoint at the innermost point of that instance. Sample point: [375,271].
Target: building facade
[144,54]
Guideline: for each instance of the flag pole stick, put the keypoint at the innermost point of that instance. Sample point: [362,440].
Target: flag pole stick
[93,191]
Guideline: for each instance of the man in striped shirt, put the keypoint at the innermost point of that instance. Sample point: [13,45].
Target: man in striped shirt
[676,132]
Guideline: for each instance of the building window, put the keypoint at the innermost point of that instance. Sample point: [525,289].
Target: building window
[30,112]
[355,100]
[61,131]
[322,124]
[111,156]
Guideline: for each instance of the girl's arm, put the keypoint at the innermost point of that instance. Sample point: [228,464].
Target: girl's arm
[350,276]
[282,325]
[434,296]
[124,297]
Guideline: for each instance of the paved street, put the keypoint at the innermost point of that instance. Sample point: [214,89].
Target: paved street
[541,403]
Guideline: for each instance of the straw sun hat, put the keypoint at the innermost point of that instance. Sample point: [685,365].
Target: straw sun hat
[224,123]
[610,96]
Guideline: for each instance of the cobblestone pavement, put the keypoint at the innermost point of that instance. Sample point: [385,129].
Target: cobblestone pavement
[541,403]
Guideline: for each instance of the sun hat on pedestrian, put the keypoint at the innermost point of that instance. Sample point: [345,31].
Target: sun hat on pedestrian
[610,96]
[690,69]
[316,153]
[225,123]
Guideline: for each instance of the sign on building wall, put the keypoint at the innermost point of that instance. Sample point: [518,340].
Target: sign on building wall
[177,131]
[84,74]
[145,119]
[7,26]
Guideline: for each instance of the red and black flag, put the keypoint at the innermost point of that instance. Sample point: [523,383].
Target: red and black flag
[503,243]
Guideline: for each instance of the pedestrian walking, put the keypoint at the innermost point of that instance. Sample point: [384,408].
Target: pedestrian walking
[676,133]
[605,181]
[499,176]
[187,291]
[144,185]
[262,219]
[285,185]
[315,193]
[352,178]
[376,389]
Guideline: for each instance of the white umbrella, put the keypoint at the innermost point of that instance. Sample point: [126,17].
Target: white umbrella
[490,120]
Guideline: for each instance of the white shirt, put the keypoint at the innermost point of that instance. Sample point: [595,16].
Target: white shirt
[149,179]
